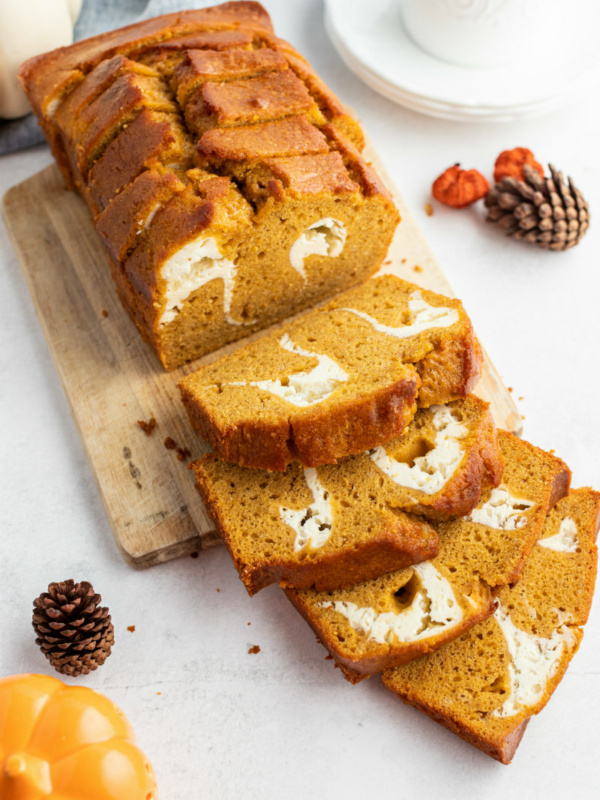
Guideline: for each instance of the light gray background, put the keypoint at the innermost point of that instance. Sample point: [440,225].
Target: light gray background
[215,721]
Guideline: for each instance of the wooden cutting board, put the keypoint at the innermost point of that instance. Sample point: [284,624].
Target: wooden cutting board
[112,379]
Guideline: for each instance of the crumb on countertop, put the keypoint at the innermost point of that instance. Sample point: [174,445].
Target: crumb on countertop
[147,427]
[170,444]
[104,312]
[254,649]
[194,554]
[429,209]
[510,388]
[417,268]
[521,398]
[183,453]
[131,628]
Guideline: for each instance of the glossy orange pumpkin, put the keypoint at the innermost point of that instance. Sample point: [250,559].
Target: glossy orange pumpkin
[67,743]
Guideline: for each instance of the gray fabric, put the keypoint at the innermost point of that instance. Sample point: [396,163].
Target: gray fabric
[97,16]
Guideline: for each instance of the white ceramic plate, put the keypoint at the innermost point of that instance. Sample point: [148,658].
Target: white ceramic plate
[375,47]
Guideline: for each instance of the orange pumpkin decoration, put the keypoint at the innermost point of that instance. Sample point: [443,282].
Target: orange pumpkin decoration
[459,188]
[511,163]
[67,743]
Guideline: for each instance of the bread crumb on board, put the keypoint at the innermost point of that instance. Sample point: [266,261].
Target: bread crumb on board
[147,427]
[131,628]
[428,209]
[254,649]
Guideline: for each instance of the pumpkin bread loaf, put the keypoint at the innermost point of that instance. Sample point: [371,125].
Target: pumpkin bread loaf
[389,621]
[344,378]
[307,527]
[338,525]
[225,180]
[486,685]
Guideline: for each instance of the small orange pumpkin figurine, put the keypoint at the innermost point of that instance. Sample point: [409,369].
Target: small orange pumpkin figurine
[511,162]
[61,742]
[459,188]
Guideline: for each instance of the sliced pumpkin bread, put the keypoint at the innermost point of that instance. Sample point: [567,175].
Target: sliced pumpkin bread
[486,685]
[344,378]
[389,621]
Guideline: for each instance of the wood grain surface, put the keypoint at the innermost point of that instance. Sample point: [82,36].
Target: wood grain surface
[112,379]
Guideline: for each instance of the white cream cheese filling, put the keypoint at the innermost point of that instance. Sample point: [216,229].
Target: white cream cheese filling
[430,472]
[423,316]
[501,511]
[144,224]
[326,237]
[197,263]
[303,388]
[434,608]
[565,541]
[534,660]
[313,523]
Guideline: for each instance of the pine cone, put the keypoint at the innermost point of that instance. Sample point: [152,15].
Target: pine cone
[74,633]
[543,211]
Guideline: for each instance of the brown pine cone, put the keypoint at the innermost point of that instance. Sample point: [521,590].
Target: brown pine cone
[74,632]
[541,210]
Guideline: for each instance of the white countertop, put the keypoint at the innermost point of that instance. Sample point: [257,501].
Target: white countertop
[216,721]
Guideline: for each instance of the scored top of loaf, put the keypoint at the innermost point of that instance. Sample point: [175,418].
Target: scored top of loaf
[140,119]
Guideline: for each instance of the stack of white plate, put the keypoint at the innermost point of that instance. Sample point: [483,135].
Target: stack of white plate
[371,40]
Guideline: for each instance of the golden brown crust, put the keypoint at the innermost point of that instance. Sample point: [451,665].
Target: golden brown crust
[40,74]
[199,66]
[122,222]
[249,101]
[501,748]
[151,137]
[321,439]
[233,498]
[292,136]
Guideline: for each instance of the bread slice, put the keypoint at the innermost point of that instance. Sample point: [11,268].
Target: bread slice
[340,380]
[307,527]
[386,622]
[486,685]
[440,464]
[225,180]
[337,525]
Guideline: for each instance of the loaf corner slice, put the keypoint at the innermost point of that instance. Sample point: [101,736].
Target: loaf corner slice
[337,381]
[307,527]
[375,625]
[486,685]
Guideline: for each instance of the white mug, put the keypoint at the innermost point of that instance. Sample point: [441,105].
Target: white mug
[486,33]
